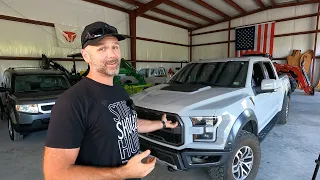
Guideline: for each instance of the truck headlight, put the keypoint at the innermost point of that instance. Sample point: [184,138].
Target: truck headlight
[206,124]
[28,108]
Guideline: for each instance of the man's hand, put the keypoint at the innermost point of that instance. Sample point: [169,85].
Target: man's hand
[169,124]
[136,169]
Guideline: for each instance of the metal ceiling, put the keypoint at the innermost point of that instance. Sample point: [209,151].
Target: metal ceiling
[196,14]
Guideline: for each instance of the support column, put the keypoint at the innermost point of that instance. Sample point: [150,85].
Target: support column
[229,38]
[190,46]
[315,44]
[133,39]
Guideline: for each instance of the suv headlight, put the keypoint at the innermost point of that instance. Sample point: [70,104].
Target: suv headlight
[206,124]
[28,108]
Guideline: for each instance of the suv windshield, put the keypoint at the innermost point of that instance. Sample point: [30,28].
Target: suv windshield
[40,82]
[222,74]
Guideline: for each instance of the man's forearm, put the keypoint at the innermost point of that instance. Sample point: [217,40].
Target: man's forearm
[145,126]
[87,172]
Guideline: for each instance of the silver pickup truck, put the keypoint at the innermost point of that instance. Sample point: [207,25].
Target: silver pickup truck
[27,96]
[224,107]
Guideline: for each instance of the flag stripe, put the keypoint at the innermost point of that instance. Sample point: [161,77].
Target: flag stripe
[259,38]
[268,38]
[265,39]
[271,41]
[256,38]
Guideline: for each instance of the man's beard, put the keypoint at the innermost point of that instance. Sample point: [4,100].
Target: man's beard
[104,69]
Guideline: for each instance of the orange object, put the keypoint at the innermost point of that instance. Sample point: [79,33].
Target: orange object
[294,58]
[307,58]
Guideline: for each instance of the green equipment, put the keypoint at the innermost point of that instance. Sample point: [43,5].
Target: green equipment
[126,70]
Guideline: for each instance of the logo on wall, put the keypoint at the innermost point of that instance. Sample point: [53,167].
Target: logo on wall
[69,36]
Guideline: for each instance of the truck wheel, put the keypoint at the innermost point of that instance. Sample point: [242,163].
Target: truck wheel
[244,160]
[312,92]
[284,113]
[293,83]
[14,135]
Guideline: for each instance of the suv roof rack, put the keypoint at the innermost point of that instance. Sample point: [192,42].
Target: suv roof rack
[24,68]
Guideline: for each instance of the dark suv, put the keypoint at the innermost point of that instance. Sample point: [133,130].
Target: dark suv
[27,96]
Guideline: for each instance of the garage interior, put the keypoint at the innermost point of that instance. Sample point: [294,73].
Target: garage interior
[169,34]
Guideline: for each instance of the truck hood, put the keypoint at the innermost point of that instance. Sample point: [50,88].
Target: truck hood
[37,97]
[176,98]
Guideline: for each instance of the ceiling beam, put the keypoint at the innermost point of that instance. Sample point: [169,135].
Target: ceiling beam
[175,17]
[137,3]
[260,4]
[101,3]
[212,9]
[150,5]
[260,10]
[236,6]
[98,2]
[181,8]
[164,21]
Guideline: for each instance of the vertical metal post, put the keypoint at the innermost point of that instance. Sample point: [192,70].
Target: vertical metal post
[315,43]
[229,38]
[133,39]
[190,45]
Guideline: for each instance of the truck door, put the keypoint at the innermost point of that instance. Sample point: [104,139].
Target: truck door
[262,101]
[276,97]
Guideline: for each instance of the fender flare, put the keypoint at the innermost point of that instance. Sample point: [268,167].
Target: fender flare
[246,116]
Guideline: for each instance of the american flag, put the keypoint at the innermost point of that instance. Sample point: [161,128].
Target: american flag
[255,38]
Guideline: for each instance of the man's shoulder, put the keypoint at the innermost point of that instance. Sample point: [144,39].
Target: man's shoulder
[74,93]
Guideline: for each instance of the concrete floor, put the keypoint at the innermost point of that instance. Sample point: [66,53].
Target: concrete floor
[288,152]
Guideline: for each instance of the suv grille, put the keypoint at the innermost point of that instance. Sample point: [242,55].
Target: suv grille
[47,107]
[170,136]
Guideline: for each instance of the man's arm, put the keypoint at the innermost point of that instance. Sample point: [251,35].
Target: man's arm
[145,126]
[58,164]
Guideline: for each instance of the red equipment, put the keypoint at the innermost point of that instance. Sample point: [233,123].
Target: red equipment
[298,73]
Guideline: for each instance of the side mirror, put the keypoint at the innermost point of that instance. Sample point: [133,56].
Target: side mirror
[268,85]
[3,89]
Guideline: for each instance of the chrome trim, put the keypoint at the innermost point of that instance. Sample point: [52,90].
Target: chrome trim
[45,104]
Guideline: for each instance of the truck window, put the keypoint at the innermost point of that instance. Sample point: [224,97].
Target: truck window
[6,81]
[221,74]
[257,75]
[27,83]
[270,70]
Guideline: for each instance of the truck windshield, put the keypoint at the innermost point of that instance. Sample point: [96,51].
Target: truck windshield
[40,82]
[221,74]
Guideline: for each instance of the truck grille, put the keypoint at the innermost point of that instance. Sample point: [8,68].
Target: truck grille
[169,136]
[47,107]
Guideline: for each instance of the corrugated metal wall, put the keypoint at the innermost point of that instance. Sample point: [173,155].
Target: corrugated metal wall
[29,40]
[283,46]
[155,51]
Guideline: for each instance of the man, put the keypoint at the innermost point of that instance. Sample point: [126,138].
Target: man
[93,131]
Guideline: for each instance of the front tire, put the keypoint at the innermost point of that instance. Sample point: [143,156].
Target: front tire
[293,83]
[244,160]
[13,134]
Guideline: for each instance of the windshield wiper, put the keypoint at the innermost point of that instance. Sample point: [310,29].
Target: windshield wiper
[201,83]
[176,82]
[35,90]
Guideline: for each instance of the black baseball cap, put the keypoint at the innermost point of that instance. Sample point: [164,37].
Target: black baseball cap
[96,31]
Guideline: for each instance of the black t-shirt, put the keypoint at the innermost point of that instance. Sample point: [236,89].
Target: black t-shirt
[97,119]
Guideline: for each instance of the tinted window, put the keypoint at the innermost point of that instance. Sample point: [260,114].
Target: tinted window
[25,83]
[257,75]
[269,70]
[222,74]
